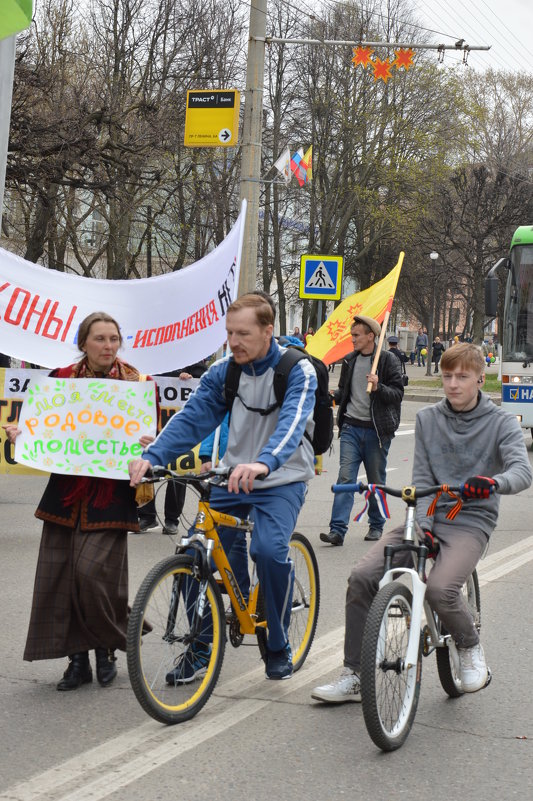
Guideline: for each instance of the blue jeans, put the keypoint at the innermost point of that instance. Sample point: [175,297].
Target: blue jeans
[419,355]
[359,445]
[274,511]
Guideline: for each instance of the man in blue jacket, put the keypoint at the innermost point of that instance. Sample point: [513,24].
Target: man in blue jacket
[270,446]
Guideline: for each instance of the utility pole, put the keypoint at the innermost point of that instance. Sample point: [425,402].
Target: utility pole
[251,143]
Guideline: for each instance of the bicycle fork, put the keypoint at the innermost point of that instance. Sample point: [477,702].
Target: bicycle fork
[418,586]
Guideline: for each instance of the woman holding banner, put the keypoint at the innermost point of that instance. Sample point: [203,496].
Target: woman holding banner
[80,599]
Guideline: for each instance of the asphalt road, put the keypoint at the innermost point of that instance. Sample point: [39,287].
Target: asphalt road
[265,740]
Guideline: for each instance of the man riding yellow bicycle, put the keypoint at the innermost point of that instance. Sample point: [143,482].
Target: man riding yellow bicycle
[265,440]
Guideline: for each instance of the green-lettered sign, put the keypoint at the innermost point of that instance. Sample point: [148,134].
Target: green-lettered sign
[85,426]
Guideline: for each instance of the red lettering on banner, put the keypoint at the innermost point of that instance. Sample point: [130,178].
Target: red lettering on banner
[140,339]
[214,316]
[69,321]
[11,305]
[201,319]
[51,320]
[40,314]
[22,303]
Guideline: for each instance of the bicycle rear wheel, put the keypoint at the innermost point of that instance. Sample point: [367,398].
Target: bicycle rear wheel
[305,598]
[449,676]
[389,689]
[160,642]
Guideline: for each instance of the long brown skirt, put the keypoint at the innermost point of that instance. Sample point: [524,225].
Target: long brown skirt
[80,597]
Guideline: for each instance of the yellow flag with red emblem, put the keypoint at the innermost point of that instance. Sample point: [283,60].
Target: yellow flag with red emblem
[332,341]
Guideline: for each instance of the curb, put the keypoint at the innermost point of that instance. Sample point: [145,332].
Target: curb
[433,396]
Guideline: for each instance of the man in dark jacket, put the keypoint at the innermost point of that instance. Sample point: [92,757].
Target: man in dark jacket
[367,422]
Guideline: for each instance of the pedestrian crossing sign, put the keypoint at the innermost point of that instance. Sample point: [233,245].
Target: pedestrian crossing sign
[321,277]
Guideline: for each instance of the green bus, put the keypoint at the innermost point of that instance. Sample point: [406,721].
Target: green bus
[516,330]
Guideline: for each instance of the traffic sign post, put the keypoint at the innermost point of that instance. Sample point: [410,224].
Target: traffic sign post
[212,118]
[321,277]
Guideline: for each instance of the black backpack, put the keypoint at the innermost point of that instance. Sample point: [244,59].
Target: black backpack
[322,414]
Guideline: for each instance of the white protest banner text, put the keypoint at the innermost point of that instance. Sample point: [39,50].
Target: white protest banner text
[166,321]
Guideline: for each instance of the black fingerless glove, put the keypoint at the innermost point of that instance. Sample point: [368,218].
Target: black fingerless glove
[478,487]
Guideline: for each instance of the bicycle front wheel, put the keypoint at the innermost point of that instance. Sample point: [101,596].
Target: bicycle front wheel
[305,598]
[449,675]
[173,669]
[389,687]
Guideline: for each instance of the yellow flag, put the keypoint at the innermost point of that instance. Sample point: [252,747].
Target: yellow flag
[308,158]
[332,341]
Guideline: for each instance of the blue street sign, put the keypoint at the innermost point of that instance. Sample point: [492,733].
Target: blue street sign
[321,277]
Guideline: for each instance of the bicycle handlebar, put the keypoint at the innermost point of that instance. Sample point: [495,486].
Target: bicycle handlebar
[406,493]
[160,473]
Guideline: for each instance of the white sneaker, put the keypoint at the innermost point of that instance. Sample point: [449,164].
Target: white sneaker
[346,688]
[474,672]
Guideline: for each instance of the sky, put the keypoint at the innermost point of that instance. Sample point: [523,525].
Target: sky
[506,25]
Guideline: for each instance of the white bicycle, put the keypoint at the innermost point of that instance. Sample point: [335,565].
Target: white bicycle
[395,638]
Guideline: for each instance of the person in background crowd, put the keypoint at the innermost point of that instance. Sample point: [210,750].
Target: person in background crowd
[421,343]
[80,598]
[400,355]
[367,422]
[309,333]
[296,333]
[437,349]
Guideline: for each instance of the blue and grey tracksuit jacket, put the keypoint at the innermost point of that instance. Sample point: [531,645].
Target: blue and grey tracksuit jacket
[277,439]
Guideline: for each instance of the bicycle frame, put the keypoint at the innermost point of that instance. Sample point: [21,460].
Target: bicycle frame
[205,536]
[418,586]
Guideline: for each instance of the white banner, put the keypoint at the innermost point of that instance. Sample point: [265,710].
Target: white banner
[167,322]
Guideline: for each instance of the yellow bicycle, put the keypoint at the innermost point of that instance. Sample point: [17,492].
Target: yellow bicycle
[177,626]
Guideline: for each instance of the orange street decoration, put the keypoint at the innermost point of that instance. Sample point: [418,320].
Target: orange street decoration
[332,341]
[382,69]
[362,56]
[404,58]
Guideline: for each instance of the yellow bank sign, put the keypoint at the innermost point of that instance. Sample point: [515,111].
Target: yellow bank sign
[212,118]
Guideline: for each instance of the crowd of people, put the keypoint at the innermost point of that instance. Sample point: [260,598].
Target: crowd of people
[80,600]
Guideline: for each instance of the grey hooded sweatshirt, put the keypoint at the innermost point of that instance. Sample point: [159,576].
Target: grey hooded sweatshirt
[453,446]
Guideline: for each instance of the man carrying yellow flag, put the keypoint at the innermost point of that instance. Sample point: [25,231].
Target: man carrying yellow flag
[367,421]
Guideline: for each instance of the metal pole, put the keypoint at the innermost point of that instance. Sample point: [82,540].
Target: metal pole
[251,143]
[431,333]
[7,70]
[458,46]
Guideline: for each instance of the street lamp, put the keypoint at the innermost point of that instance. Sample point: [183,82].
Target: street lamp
[433,256]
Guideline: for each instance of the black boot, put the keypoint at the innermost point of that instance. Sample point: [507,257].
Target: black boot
[77,673]
[105,666]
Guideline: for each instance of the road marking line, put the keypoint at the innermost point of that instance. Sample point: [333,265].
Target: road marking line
[157,746]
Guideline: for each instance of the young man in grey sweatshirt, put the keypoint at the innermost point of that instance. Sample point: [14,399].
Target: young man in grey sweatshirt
[465,434]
